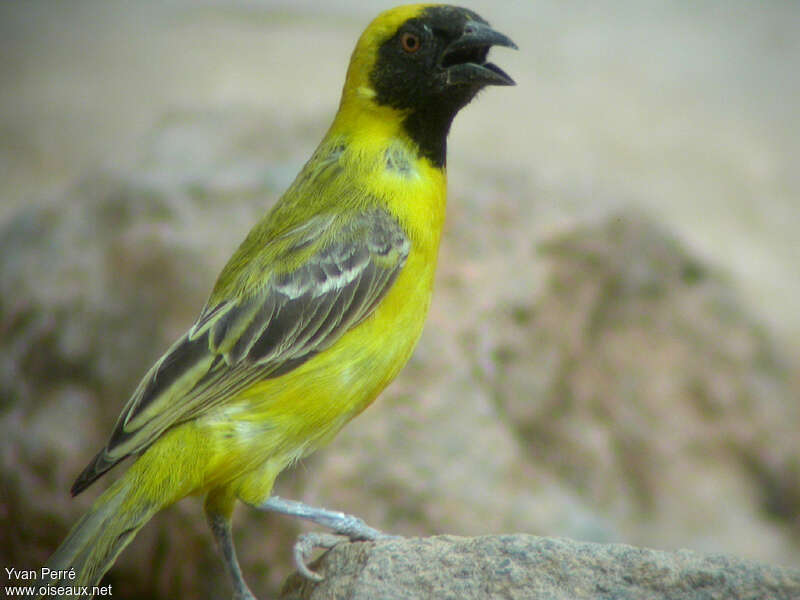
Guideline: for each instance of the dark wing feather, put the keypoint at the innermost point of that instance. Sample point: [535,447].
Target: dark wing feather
[238,341]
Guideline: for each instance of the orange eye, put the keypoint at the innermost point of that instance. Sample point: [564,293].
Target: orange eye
[410,42]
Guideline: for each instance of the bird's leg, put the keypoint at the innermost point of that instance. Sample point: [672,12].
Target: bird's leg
[221,528]
[344,525]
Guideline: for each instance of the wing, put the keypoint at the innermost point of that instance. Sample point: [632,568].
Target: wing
[344,269]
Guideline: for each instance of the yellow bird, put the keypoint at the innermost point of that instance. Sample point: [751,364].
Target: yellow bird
[315,313]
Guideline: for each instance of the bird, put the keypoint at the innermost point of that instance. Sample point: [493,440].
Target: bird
[312,317]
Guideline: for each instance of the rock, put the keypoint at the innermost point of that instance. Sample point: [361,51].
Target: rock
[526,567]
[640,379]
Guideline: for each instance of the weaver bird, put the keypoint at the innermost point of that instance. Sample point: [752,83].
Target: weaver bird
[315,313]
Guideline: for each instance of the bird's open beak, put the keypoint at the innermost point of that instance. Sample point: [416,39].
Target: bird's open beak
[464,60]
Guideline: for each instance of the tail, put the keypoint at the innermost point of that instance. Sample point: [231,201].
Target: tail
[96,540]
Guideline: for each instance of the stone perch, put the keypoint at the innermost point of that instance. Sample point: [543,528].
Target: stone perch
[528,567]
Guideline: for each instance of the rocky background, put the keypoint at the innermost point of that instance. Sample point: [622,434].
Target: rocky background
[612,353]
[521,567]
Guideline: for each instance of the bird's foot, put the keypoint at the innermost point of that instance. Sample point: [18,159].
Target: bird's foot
[304,547]
[308,542]
[344,526]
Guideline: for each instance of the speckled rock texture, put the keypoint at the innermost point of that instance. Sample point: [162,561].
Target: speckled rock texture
[526,567]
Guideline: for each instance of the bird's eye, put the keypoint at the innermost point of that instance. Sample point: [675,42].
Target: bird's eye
[410,42]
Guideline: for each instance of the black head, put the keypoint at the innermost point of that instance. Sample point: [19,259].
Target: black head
[432,65]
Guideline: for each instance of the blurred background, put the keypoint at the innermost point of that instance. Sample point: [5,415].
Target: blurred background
[613,348]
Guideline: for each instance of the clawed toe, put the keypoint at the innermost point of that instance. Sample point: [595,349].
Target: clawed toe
[304,547]
[306,544]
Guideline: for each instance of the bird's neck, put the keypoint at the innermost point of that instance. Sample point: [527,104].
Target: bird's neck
[429,133]
[425,131]
[376,153]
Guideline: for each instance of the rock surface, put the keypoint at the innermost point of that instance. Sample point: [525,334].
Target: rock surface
[524,567]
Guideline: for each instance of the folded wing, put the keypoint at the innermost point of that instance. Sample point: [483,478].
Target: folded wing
[346,266]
